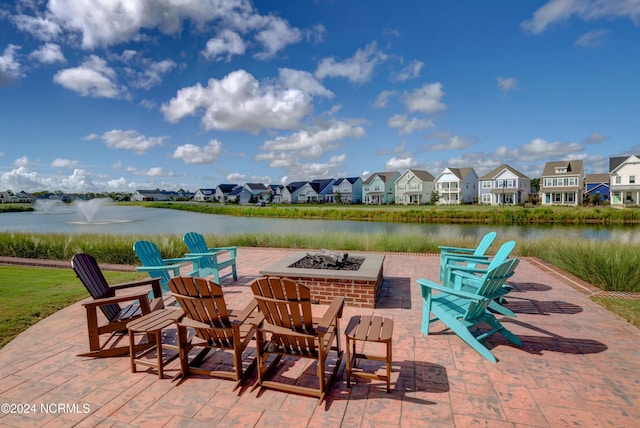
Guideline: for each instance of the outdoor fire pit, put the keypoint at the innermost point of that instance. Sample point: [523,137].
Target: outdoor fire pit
[356,277]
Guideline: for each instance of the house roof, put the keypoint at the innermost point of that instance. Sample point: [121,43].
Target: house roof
[496,171]
[421,174]
[615,162]
[349,179]
[461,173]
[206,191]
[384,176]
[320,184]
[574,167]
[226,188]
[256,186]
[293,186]
[597,178]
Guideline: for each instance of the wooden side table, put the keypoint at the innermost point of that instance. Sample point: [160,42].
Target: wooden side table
[152,325]
[368,329]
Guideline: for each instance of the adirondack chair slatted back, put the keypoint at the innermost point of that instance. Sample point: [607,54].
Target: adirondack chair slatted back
[485,243]
[89,273]
[149,255]
[196,244]
[203,300]
[491,283]
[502,254]
[286,303]
[480,250]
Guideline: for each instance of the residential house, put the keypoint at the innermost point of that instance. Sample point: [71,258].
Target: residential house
[275,193]
[240,195]
[5,197]
[154,195]
[504,185]
[258,190]
[223,191]
[324,188]
[597,187]
[204,195]
[562,183]
[313,191]
[379,188]
[625,180]
[457,186]
[346,191]
[414,187]
[291,191]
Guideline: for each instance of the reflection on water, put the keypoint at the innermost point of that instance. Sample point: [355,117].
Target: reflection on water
[118,220]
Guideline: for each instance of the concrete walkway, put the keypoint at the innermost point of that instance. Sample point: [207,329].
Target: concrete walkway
[579,366]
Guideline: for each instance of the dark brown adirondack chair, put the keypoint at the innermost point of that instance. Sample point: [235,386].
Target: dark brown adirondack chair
[104,297]
[289,329]
[215,326]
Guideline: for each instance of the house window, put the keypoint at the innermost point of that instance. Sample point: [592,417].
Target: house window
[632,179]
[618,179]
[570,197]
[486,184]
[486,198]
[557,198]
[414,186]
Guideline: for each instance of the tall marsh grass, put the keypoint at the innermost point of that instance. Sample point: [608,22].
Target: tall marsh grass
[607,265]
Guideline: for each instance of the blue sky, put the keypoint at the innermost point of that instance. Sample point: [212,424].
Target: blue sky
[108,95]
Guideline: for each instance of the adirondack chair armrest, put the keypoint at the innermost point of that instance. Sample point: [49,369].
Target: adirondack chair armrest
[470,271]
[175,268]
[275,329]
[212,254]
[242,316]
[456,249]
[425,283]
[333,312]
[117,299]
[468,258]
[194,259]
[153,282]
[191,323]
[232,250]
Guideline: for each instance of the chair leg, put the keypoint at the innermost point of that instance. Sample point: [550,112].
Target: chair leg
[495,306]
[494,323]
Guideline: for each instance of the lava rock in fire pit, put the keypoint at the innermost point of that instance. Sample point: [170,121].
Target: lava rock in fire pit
[328,261]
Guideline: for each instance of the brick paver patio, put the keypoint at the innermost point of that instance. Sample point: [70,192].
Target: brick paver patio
[579,366]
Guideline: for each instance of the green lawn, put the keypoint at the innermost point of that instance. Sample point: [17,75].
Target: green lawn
[625,308]
[28,295]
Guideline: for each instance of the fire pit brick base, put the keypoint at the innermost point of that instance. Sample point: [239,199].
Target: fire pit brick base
[359,288]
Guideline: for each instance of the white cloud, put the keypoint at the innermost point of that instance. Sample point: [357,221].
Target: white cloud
[64,163]
[589,10]
[49,53]
[400,164]
[383,98]
[225,45]
[592,38]
[448,142]
[150,73]
[9,65]
[128,140]
[93,78]
[239,102]
[407,125]
[411,71]
[22,161]
[276,35]
[357,69]
[595,138]
[303,80]
[236,177]
[507,83]
[540,149]
[192,154]
[41,28]
[426,99]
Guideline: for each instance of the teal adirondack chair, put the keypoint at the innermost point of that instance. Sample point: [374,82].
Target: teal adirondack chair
[479,251]
[212,260]
[153,263]
[478,266]
[461,310]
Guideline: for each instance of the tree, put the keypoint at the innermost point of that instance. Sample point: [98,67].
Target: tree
[434,197]
[338,198]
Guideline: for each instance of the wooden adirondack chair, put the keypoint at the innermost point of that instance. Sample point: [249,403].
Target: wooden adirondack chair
[478,266]
[461,310]
[479,251]
[293,331]
[104,297]
[211,262]
[153,263]
[215,326]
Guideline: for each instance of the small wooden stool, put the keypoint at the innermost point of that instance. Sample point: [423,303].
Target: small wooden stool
[368,329]
[152,325]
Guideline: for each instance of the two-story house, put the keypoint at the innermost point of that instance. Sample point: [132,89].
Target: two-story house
[596,187]
[624,172]
[457,186]
[346,191]
[414,187]
[204,195]
[258,191]
[379,188]
[562,183]
[275,193]
[291,192]
[504,185]
[223,191]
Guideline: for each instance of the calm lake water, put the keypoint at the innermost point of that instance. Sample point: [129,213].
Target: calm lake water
[119,220]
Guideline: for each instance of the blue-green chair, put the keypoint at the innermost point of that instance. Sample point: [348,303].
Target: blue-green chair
[479,266]
[153,263]
[461,310]
[479,251]
[212,260]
